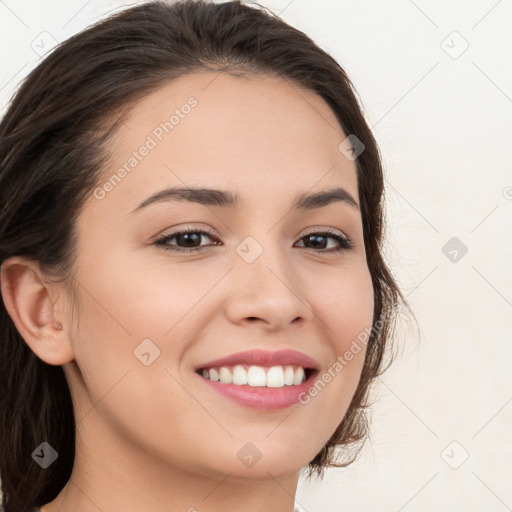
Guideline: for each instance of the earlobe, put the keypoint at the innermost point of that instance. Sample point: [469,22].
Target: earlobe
[28,300]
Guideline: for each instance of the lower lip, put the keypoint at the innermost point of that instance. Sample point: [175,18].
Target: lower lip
[259,397]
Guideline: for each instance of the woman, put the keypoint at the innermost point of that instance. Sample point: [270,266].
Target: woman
[195,303]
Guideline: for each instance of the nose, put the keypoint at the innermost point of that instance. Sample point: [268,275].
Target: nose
[267,293]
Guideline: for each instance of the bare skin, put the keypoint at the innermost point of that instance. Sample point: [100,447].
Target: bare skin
[157,438]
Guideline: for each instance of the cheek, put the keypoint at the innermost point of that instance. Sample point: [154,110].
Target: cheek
[124,301]
[118,389]
[346,310]
[346,305]
[134,297]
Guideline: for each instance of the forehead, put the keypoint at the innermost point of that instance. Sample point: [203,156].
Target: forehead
[259,135]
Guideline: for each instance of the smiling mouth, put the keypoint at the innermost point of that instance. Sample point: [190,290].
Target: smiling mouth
[276,376]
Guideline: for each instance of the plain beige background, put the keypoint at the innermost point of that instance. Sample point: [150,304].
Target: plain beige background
[436,82]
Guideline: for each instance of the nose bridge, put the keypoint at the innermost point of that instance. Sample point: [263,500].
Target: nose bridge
[265,285]
[263,256]
[263,238]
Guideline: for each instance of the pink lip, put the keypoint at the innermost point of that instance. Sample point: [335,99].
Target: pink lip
[264,358]
[261,397]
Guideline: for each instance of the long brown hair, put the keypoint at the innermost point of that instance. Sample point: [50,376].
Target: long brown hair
[53,146]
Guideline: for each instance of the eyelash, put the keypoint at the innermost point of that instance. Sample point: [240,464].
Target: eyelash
[345,242]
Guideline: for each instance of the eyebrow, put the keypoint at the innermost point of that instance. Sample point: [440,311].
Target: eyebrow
[226,199]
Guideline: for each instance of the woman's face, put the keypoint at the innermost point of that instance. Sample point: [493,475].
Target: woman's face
[151,316]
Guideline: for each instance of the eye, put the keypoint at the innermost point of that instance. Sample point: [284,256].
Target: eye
[191,239]
[186,236]
[321,238]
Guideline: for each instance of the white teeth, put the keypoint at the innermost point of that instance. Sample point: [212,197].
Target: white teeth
[225,375]
[288,376]
[239,375]
[299,376]
[257,376]
[275,377]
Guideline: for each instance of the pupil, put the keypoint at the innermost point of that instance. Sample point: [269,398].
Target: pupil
[316,238]
[188,235]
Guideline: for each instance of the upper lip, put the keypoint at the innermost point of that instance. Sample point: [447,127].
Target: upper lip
[264,358]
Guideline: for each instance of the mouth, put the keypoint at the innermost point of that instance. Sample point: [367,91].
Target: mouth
[261,379]
[258,376]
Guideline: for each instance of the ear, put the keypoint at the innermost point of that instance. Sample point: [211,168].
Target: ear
[32,304]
